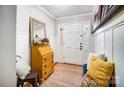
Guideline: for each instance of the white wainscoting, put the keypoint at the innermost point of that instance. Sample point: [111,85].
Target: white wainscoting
[118,54]
[108,44]
[99,42]
[111,42]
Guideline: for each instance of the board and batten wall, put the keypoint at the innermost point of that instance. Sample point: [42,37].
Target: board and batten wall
[69,20]
[22,34]
[7,46]
[109,39]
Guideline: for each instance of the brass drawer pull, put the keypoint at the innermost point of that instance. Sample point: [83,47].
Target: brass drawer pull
[45,65]
[45,59]
[45,73]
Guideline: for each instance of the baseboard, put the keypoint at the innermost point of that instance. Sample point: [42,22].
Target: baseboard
[55,63]
[66,63]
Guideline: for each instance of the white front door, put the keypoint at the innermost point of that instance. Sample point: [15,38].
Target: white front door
[75,43]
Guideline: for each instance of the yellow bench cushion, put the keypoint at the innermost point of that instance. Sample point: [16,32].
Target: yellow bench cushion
[101,71]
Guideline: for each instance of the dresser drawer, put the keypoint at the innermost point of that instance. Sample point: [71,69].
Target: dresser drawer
[47,72]
[47,64]
[44,75]
[47,57]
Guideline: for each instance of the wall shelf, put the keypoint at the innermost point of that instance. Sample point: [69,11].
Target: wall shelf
[111,12]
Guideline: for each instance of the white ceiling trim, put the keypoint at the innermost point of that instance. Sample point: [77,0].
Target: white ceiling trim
[45,11]
[73,16]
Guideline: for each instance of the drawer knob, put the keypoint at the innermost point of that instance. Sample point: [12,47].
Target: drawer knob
[45,65]
[45,73]
[45,58]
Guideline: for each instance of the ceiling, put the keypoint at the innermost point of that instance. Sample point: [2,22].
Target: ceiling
[59,11]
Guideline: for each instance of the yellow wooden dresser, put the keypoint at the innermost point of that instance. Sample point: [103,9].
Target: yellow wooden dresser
[42,61]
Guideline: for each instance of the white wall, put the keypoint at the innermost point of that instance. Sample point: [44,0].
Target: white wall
[22,34]
[70,20]
[7,46]
[111,44]
[100,45]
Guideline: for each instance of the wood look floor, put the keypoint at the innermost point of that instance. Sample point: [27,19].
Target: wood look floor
[64,75]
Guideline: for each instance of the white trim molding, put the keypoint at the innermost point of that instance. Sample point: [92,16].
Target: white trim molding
[45,11]
[74,16]
[60,18]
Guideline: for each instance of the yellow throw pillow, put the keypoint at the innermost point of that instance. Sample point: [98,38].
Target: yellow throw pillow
[100,71]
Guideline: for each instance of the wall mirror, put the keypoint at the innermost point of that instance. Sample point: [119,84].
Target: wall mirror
[37,31]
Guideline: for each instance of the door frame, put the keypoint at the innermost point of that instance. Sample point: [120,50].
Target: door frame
[88,22]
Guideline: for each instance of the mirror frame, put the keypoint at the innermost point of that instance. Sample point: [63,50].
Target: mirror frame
[31,20]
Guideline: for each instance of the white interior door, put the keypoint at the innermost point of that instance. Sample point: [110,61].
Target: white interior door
[75,43]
